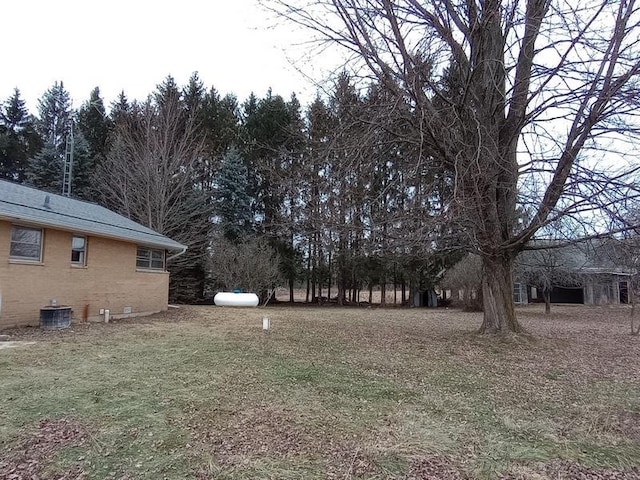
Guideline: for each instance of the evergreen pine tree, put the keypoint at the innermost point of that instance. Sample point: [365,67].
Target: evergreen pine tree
[120,109]
[193,95]
[265,136]
[14,115]
[232,201]
[95,125]
[296,138]
[314,188]
[54,123]
[55,116]
[168,94]
[83,168]
[250,106]
[45,169]
[219,122]
[18,138]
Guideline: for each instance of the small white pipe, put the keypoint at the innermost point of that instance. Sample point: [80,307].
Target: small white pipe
[106,316]
[177,254]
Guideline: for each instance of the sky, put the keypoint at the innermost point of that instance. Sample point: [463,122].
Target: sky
[132,45]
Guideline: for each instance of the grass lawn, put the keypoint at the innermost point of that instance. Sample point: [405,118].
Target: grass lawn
[202,392]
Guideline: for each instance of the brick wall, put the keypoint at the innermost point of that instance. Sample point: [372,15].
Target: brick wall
[109,280]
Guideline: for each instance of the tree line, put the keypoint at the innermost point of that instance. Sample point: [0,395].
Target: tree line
[325,193]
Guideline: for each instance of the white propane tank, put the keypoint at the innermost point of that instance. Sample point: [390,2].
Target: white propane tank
[236,299]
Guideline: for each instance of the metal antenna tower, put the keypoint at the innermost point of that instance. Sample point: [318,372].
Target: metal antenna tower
[68,165]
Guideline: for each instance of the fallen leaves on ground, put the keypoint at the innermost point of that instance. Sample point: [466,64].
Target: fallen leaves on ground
[566,470]
[30,457]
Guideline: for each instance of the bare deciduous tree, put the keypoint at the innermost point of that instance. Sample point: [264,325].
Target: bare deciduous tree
[252,266]
[520,101]
[466,276]
[149,176]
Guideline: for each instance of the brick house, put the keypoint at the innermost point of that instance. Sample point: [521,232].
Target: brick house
[55,249]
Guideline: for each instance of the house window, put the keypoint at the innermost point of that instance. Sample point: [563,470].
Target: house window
[79,250]
[150,259]
[26,243]
[517,293]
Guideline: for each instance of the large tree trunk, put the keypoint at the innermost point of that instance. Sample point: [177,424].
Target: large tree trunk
[403,286]
[497,295]
[632,298]
[291,296]
[308,273]
[329,266]
[546,293]
[395,285]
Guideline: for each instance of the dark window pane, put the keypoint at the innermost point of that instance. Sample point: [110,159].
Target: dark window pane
[142,263]
[157,259]
[25,243]
[157,264]
[25,235]
[143,258]
[150,259]
[25,250]
[78,249]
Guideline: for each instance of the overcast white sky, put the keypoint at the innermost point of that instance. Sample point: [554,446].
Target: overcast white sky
[132,45]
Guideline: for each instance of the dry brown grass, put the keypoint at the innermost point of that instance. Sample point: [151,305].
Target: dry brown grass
[332,392]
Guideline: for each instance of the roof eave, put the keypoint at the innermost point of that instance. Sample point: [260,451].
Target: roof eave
[172,245]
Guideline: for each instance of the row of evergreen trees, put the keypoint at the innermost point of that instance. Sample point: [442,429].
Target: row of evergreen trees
[343,204]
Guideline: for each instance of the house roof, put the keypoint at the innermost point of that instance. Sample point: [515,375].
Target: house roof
[25,204]
[596,256]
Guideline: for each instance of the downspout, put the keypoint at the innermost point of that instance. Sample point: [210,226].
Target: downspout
[184,249]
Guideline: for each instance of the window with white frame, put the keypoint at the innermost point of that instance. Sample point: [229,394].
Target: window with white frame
[79,250]
[517,293]
[150,258]
[26,243]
